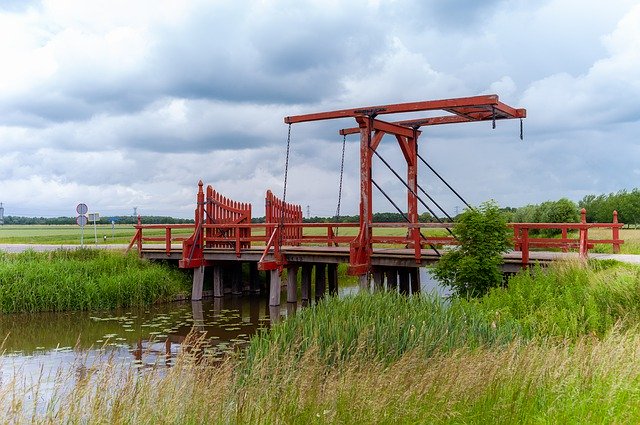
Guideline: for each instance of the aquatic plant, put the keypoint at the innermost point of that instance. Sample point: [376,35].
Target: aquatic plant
[83,279]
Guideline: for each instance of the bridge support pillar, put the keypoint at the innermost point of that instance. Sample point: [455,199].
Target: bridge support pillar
[217,282]
[305,281]
[332,275]
[363,282]
[292,284]
[254,278]
[236,278]
[198,282]
[378,280]
[403,276]
[392,279]
[415,280]
[321,280]
[274,288]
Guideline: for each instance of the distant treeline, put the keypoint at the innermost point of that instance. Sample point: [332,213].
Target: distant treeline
[386,217]
[599,209]
[120,219]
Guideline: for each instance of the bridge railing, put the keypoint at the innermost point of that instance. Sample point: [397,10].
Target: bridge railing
[524,242]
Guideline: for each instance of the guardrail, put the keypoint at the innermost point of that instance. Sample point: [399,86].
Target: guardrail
[272,236]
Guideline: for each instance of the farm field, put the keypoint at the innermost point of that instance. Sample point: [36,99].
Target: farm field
[122,234]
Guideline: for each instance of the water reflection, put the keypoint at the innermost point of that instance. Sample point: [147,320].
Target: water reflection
[150,336]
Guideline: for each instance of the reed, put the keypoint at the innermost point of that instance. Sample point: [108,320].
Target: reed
[567,300]
[589,380]
[83,279]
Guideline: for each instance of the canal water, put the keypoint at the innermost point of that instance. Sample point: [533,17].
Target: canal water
[39,347]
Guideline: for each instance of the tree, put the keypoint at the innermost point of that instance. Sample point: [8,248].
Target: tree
[474,266]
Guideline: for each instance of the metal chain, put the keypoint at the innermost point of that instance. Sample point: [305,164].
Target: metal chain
[344,142]
[284,192]
[286,166]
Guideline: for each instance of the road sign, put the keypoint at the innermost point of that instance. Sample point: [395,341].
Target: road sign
[82,209]
[94,217]
[82,220]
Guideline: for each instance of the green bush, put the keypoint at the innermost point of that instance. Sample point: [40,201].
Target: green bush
[474,267]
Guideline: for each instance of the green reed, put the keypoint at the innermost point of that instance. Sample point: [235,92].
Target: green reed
[83,279]
[567,299]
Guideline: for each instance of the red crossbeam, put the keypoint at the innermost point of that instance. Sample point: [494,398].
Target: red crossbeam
[463,105]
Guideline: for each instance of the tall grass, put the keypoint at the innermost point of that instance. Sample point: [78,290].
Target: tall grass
[567,299]
[381,327]
[83,279]
[584,381]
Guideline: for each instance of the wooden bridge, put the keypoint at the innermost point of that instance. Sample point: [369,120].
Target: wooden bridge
[224,235]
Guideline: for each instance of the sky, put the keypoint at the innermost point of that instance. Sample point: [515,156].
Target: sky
[121,104]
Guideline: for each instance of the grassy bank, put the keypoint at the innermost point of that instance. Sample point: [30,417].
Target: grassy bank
[561,346]
[83,279]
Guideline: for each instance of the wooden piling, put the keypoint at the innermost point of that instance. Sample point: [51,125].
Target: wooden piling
[321,280]
[217,282]
[274,288]
[292,284]
[415,280]
[236,280]
[403,277]
[305,281]
[254,278]
[198,282]
[378,279]
[392,279]
[363,282]
[332,277]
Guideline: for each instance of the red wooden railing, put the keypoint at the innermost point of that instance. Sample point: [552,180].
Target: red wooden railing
[225,224]
[524,242]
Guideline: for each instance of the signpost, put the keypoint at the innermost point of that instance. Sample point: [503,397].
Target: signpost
[94,217]
[82,220]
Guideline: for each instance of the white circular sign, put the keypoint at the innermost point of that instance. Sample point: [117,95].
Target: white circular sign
[82,220]
[82,209]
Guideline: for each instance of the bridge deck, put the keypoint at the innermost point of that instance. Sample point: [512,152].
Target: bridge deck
[392,257]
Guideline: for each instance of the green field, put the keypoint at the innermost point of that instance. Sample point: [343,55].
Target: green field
[122,234]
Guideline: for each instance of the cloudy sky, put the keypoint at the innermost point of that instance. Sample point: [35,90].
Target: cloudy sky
[123,104]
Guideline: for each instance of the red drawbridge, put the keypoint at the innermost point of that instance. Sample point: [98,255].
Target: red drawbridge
[224,230]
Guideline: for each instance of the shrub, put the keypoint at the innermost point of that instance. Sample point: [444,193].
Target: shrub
[474,267]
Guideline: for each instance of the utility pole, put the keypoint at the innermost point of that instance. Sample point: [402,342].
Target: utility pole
[1,215]
[308,212]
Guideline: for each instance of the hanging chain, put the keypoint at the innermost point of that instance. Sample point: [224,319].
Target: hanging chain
[286,165]
[284,192]
[344,142]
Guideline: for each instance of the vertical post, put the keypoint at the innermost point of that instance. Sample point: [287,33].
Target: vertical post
[236,279]
[378,279]
[517,246]
[525,247]
[320,280]
[274,291]
[363,282]
[583,235]
[198,281]
[392,279]
[403,274]
[254,277]
[565,247]
[217,282]
[616,233]
[412,199]
[415,280]
[360,252]
[305,281]
[332,275]
[292,284]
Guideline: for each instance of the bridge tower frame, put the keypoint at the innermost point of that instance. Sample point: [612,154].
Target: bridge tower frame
[372,130]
